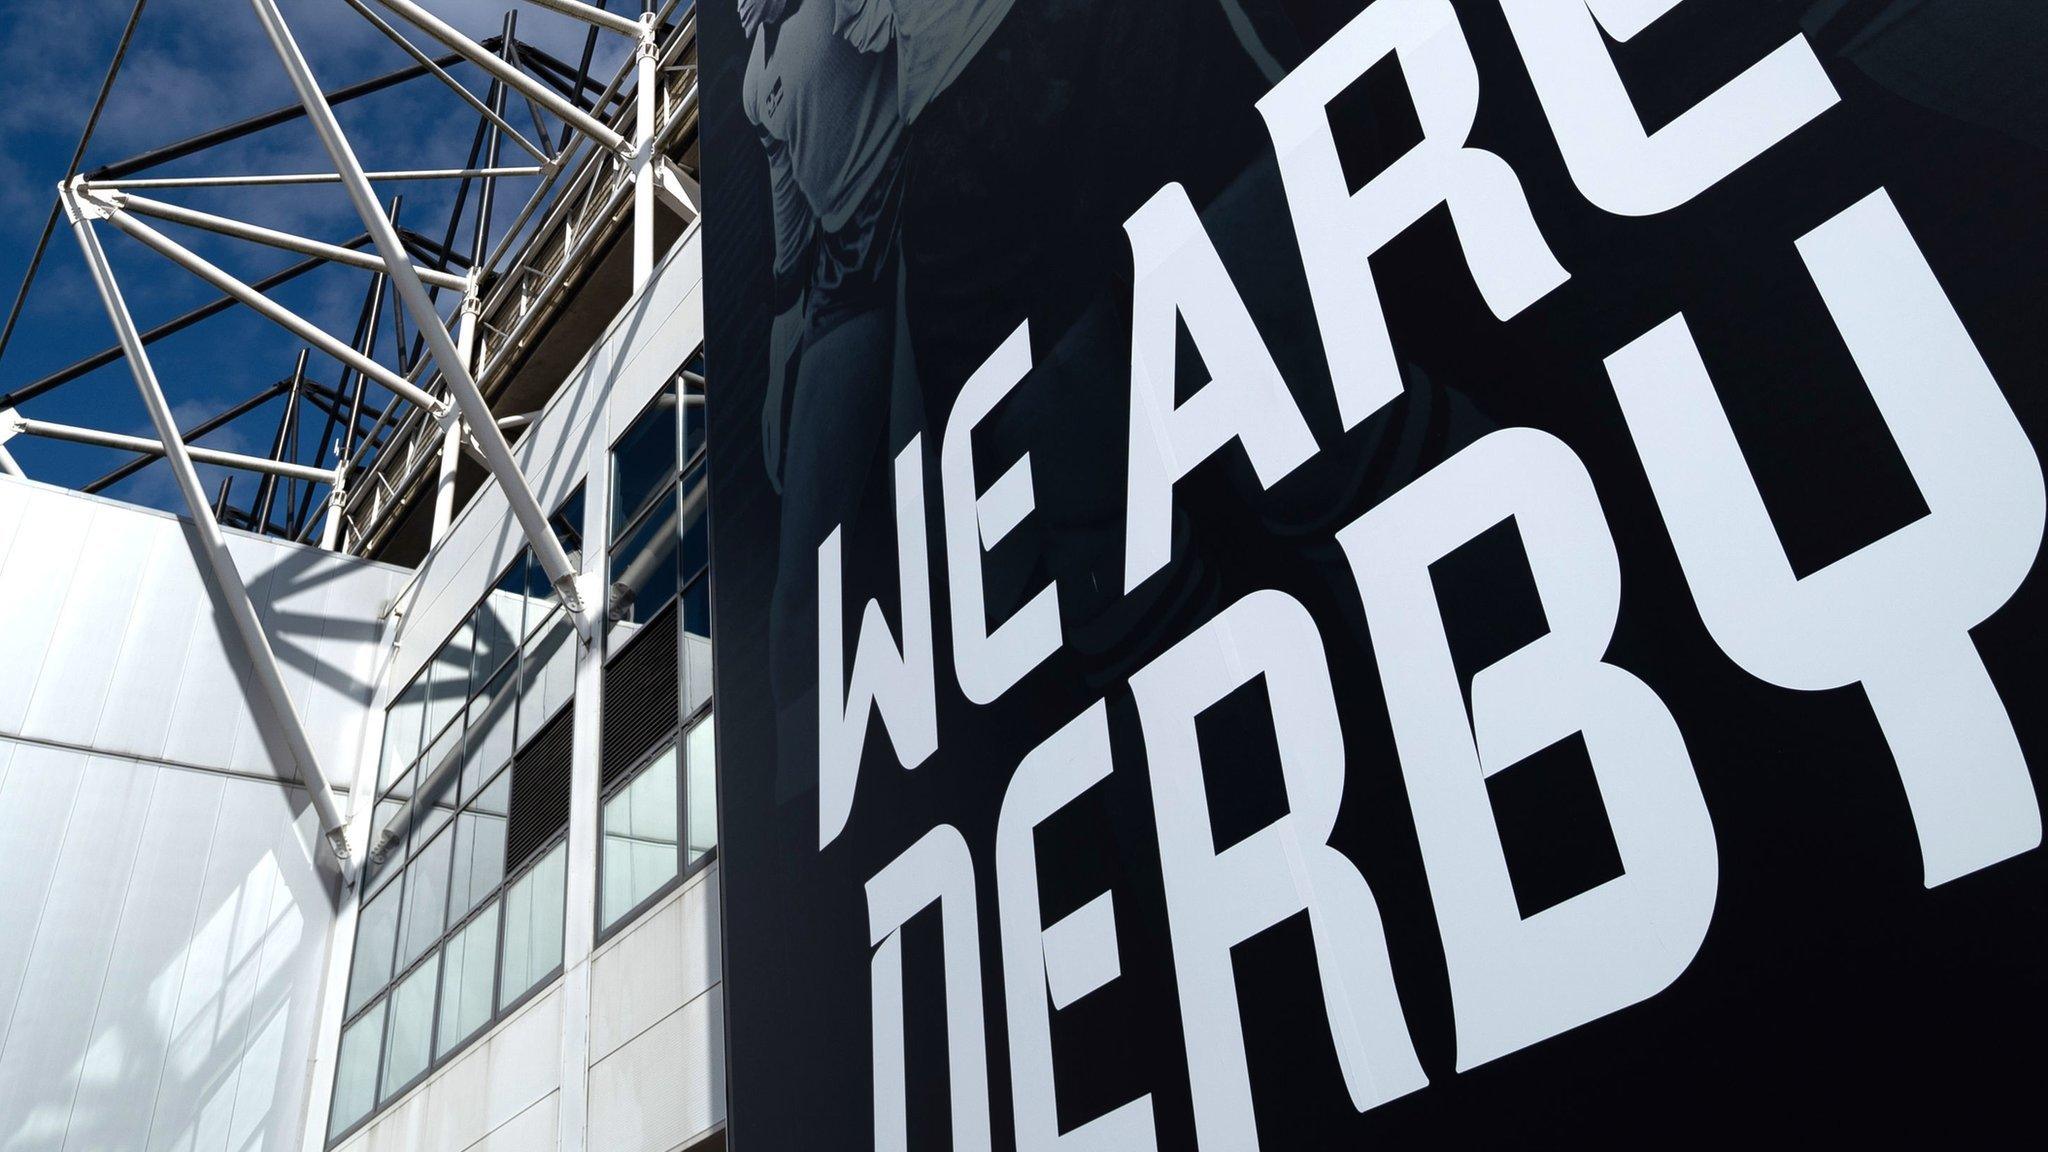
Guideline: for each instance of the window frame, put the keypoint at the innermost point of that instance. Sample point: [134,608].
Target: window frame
[416,775]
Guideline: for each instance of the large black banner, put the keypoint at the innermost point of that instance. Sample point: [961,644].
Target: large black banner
[1307,574]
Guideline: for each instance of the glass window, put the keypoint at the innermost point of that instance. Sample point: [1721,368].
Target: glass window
[533,927]
[408,1045]
[448,677]
[480,848]
[548,679]
[355,1071]
[644,463]
[693,407]
[639,838]
[694,660]
[403,724]
[643,572]
[426,900]
[468,964]
[377,871]
[488,746]
[376,946]
[700,752]
[496,626]
[434,805]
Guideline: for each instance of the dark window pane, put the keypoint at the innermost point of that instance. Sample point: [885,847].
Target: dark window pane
[639,700]
[643,463]
[568,523]
[695,525]
[696,654]
[643,573]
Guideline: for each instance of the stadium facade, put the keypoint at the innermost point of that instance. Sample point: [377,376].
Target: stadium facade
[410,854]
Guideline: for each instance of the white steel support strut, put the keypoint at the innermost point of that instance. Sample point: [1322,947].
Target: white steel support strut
[451,432]
[263,305]
[227,579]
[490,62]
[241,230]
[497,452]
[646,113]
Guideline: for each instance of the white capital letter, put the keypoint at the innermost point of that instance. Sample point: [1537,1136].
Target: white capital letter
[986,662]
[1510,261]
[936,868]
[1517,981]
[1176,273]
[1618,166]
[1070,959]
[1895,615]
[1215,900]
[901,686]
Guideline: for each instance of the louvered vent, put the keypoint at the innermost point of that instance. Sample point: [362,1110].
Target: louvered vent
[640,696]
[540,791]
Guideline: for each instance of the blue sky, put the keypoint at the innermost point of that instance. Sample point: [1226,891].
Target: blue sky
[196,64]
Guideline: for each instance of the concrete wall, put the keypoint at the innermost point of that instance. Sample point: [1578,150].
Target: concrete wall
[164,911]
[657,1026]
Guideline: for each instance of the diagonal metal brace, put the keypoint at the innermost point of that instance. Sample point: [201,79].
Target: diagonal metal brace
[227,579]
[455,370]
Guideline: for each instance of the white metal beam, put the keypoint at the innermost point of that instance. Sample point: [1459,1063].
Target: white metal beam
[647,106]
[519,81]
[12,423]
[271,309]
[590,14]
[533,521]
[441,74]
[227,579]
[241,230]
[265,180]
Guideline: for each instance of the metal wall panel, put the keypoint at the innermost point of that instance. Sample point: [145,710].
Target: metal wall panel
[58,995]
[33,581]
[133,1019]
[35,809]
[665,959]
[116,642]
[664,1087]
[147,679]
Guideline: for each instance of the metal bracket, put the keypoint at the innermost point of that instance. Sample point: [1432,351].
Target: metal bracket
[11,424]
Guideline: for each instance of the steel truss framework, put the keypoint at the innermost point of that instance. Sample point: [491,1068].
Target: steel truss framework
[598,151]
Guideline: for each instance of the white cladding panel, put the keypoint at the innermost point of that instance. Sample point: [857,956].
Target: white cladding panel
[160,955]
[500,1093]
[657,1034]
[115,641]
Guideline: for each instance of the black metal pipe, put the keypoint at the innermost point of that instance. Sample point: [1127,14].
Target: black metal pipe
[171,327]
[192,435]
[258,123]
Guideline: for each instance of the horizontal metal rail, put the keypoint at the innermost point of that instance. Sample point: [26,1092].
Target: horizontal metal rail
[155,448]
